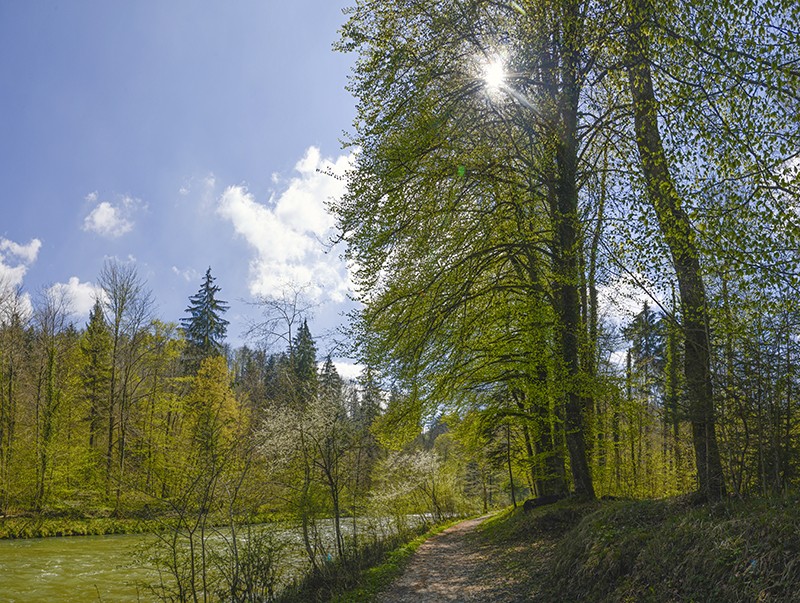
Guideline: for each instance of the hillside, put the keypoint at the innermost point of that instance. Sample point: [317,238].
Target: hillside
[656,551]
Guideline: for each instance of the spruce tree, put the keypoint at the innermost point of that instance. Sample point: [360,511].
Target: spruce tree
[330,383]
[205,328]
[304,354]
[95,374]
[370,405]
[303,357]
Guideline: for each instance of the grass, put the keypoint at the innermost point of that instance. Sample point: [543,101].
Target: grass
[653,551]
[101,521]
[523,544]
[362,577]
[731,551]
[41,526]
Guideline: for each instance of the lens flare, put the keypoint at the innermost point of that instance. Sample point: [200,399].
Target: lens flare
[494,73]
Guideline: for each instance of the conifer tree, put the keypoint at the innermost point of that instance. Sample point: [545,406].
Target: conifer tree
[370,404]
[205,328]
[304,363]
[96,372]
[331,384]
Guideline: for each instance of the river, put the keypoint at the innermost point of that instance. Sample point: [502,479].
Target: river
[95,568]
[76,568]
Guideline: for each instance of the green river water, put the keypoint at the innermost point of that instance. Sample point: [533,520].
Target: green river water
[77,568]
[87,569]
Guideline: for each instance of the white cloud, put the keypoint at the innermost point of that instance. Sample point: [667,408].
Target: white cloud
[26,253]
[348,370]
[15,259]
[290,233]
[189,274]
[107,220]
[110,220]
[81,296]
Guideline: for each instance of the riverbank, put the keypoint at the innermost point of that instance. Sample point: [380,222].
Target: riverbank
[44,526]
[363,575]
[53,525]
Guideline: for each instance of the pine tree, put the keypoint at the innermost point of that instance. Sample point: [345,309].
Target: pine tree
[96,373]
[205,328]
[331,384]
[304,364]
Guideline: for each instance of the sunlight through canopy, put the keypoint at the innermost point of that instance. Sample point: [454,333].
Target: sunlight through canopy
[494,73]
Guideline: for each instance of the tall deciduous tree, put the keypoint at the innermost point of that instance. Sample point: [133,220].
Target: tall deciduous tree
[13,324]
[495,173]
[128,305]
[677,230]
[50,319]
[715,122]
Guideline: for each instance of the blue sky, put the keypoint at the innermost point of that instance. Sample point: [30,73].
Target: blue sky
[177,134]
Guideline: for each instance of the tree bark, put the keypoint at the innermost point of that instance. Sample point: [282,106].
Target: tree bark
[676,228]
[567,245]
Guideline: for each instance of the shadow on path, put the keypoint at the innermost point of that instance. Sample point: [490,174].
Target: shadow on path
[451,566]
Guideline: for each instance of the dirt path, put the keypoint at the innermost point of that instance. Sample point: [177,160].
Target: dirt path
[452,566]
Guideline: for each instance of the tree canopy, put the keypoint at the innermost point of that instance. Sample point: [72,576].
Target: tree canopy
[483,213]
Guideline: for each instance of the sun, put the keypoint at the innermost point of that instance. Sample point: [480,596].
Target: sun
[494,73]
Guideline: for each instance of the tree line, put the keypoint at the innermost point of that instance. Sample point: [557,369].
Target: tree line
[131,416]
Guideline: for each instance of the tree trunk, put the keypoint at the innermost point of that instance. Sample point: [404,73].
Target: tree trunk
[546,460]
[510,469]
[676,228]
[563,197]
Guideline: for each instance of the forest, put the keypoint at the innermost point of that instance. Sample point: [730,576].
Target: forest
[522,164]
[574,233]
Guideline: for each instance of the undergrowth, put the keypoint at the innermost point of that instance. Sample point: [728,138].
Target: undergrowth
[39,527]
[731,551]
[657,551]
[360,578]
[72,524]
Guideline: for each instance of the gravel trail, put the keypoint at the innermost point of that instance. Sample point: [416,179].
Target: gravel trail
[452,566]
